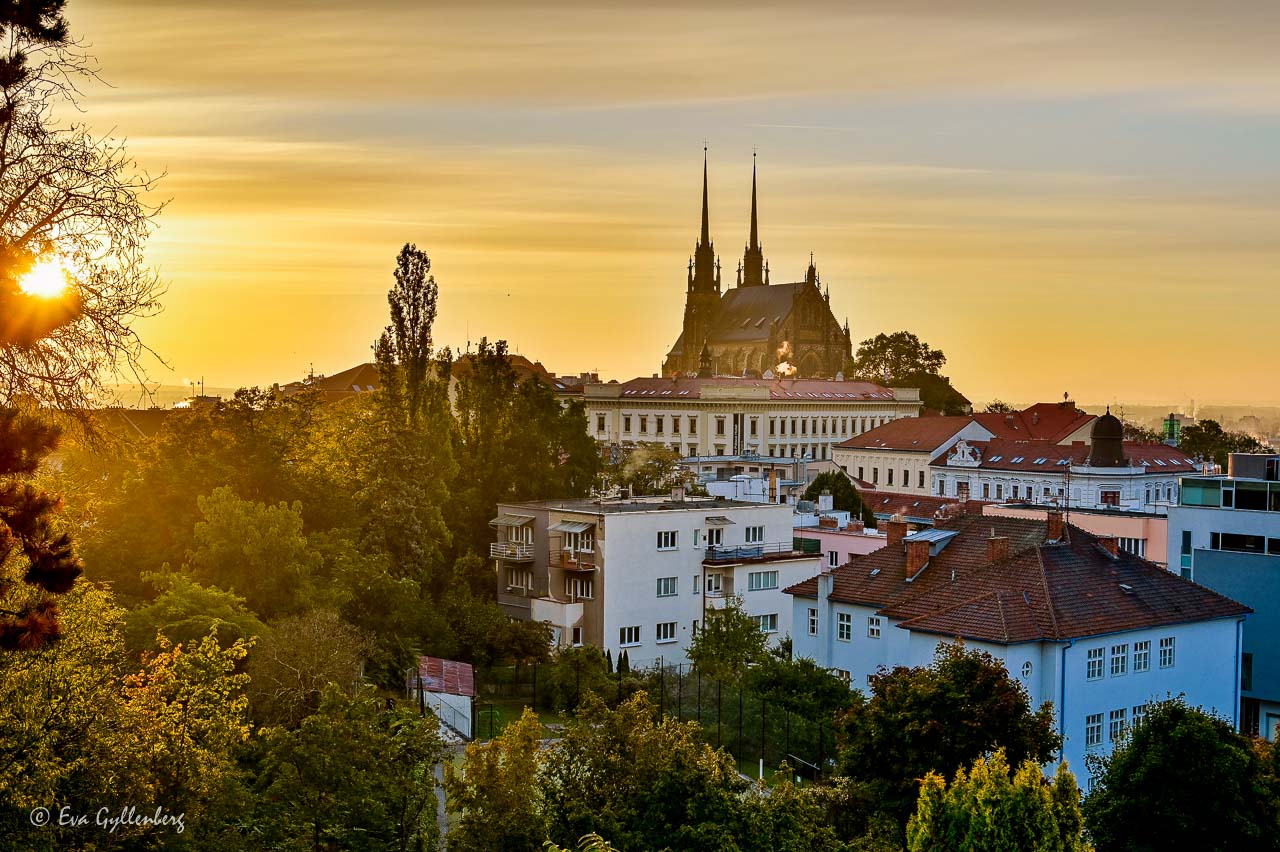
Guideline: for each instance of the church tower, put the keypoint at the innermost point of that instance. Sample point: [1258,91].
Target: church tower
[703,297]
[753,257]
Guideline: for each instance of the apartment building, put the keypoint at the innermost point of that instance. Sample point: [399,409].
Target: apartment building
[1097,631]
[1224,534]
[640,574]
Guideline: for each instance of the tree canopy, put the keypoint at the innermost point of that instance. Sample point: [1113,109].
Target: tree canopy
[1207,440]
[844,495]
[904,360]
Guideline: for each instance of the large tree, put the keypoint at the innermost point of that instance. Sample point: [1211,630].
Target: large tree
[1183,779]
[729,643]
[1207,440]
[844,495]
[938,718]
[904,360]
[496,792]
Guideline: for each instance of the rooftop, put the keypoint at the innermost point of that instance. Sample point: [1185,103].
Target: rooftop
[815,390]
[640,504]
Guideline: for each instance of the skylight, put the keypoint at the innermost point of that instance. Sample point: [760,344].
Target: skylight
[1041,460]
[1064,462]
[1015,459]
[995,458]
[1161,463]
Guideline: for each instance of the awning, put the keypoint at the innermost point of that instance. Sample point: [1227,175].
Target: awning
[719,521]
[571,526]
[510,520]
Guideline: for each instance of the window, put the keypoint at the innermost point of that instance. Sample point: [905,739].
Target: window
[833,558]
[719,427]
[1094,671]
[1119,660]
[875,475]
[629,635]
[667,539]
[579,588]
[813,621]
[1026,669]
[659,421]
[675,425]
[1142,656]
[906,478]
[693,426]
[860,476]
[1139,713]
[760,580]
[755,535]
[715,537]
[986,491]
[844,626]
[1109,498]
[920,484]
[753,427]
[768,623]
[1093,730]
[644,425]
[715,583]
[873,626]
[1166,652]
[665,631]
[999,490]
[626,423]
[1116,724]
[844,675]
[577,636]
[889,473]
[599,422]
[668,586]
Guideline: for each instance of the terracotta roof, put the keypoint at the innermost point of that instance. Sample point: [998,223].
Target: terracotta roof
[523,367]
[447,676]
[1041,591]
[1049,421]
[924,434]
[908,505]
[813,390]
[1047,457]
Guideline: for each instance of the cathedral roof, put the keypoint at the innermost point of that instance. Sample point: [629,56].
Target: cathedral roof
[747,312]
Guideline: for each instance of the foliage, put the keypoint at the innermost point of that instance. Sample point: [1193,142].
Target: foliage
[37,560]
[938,719]
[650,469]
[987,810]
[71,199]
[844,495]
[186,612]
[799,686]
[297,658]
[998,406]
[1207,440]
[1141,434]
[904,360]
[729,643]
[576,672]
[640,784]
[589,843]
[356,774]
[497,793]
[1183,779]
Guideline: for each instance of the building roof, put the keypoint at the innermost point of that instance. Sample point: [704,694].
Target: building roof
[921,434]
[1049,421]
[1045,456]
[1039,592]
[448,676]
[617,506]
[801,390]
[523,367]
[910,506]
[747,313]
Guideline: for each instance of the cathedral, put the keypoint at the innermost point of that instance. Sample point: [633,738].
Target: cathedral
[754,328]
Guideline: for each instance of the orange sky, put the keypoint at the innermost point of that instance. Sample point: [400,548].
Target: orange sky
[1075,200]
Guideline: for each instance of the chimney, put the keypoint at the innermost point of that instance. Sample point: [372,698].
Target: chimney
[855,526]
[773,485]
[917,556]
[997,547]
[677,493]
[1110,544]
[825,501]
[895,530]
[1056,527]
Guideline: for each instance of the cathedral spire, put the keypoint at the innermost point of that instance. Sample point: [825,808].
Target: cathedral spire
[753,258]
[705,239]
[705,277]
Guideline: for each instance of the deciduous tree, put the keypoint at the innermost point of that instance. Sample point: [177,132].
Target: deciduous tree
[497,792]
[729,643]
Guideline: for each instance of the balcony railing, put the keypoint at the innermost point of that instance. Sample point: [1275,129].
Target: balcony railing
[512,550]
[574,560]
[750,553]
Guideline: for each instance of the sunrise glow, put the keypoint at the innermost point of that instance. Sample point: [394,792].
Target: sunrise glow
[47,279]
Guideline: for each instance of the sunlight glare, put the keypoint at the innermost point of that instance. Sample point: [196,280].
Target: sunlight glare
[47,279]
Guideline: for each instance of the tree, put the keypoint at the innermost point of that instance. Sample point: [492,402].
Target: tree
[904,360]
[651,469]
[356,774]
[937,719]
[844,495]
[72,212]
[997,406]
[1207,440]
[185,612]
[641,784]
[799,686]
[496,792]
[986,809]
[729,643]
[1182,778]
[1141,434]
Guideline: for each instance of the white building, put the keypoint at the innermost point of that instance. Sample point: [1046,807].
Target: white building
[1096,631]
[1225,534]
[728,415]
[448,687]
[896,457]
[640,574]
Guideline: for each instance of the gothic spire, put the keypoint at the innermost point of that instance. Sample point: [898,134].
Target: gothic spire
[755,231]
[753,258]
[705,277]
[706,217]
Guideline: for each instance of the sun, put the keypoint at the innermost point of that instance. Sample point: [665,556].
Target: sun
[47,279]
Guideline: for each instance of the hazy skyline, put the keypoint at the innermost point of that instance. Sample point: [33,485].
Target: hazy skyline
[1072,199]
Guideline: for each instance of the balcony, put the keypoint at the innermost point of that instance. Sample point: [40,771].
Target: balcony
[744,553]
[512,551]
[574,560]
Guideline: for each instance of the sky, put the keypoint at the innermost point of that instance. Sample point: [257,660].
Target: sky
[1079,198]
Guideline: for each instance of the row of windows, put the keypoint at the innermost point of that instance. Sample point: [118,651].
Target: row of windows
[670,539]
[1028,491]
[665,631]
[844,625]
[1117,721]
[838,426]
[1241,543]
[659,422]
[905,481]
[1096,667]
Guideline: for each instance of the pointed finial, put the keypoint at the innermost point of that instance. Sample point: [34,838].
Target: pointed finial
[755,230]
[706,218]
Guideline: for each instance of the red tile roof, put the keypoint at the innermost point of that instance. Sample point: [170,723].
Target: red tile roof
[1049,421]
[1038,592]
[447,676]
[907,505]
[922,434]
[1045,456]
